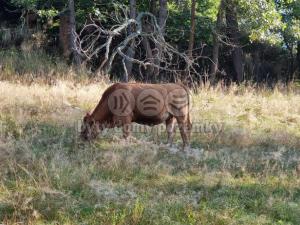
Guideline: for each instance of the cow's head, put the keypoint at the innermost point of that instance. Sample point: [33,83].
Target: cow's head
[89,128]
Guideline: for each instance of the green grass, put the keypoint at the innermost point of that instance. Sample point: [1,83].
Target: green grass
[246,174]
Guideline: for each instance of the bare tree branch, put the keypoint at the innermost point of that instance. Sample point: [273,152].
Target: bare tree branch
[90,37]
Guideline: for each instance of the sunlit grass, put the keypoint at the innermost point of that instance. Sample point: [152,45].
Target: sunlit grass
[244,174]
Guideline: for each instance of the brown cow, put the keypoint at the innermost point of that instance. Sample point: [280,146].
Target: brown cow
[149,104]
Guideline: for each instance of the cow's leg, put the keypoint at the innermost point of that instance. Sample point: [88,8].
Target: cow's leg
[126,130]
[185,129]
[126,127]
[189,127]
[123,122]
[170,126]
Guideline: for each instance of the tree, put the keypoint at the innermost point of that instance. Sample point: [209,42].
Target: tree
[290,14]
[216,43]
[163,13]
[95,33]
[241,31]
[298,57]
[191,37]
[162,18]
[131,48]
[242,28]
[192,29]
[72,35]
[148,29]
[233,34]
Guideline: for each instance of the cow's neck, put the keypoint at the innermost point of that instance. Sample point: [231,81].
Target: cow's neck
[99,114]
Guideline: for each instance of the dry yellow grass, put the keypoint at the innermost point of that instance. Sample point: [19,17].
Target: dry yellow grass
[248,116]
[252,116]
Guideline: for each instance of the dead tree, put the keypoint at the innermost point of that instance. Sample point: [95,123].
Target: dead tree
[89,47]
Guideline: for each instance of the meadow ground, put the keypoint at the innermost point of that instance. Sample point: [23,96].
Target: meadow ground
[241,169]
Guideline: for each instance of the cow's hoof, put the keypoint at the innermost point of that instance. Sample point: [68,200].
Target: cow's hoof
[186,148]
[169,145]
[130,139]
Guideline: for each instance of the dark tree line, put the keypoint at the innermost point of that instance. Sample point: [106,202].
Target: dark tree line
[231,40]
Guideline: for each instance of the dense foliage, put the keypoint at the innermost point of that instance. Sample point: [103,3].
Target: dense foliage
[268,32]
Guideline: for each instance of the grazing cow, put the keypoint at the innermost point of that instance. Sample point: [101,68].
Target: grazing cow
[148,104]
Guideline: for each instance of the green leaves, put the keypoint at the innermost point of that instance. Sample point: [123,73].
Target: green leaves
[27,4]
[276,22]
[290,10]
[261,20]
[50,13]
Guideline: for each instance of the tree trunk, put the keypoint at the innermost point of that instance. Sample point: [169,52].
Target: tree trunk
[298,58]
[192,30]
[153,7]
[146,44]
[148,51]
[216,44]
[130,51]
[292,68]
[163,13]
[191,39]
[234,35]
[75,55]
[64,33]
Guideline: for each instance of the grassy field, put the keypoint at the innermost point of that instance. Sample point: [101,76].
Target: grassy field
[243,167]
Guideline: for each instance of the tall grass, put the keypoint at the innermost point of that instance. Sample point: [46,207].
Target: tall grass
[37,66]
